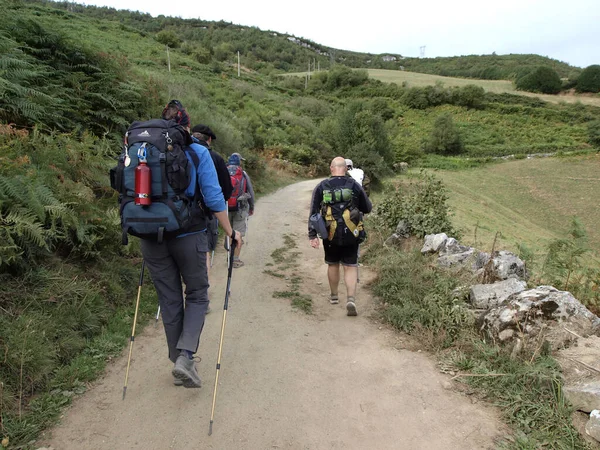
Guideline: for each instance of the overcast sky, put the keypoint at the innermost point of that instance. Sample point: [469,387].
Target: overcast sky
[565,30]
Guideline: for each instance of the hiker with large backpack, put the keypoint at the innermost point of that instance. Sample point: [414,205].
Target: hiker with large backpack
[241,202]
[336,217]
[166,182]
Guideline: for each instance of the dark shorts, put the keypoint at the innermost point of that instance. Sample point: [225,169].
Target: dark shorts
[212,233]
[347,255]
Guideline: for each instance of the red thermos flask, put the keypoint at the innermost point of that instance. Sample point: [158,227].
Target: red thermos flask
[143,184]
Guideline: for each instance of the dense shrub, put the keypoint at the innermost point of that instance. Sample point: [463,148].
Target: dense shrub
[169,38]
[469,96]
[444,138]
[589,80]
[543,79]
[357,133]
[421,205]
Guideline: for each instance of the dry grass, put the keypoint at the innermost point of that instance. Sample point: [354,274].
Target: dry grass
[414,79]
[528,201]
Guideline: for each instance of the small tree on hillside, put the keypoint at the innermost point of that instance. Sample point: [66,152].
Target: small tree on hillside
[589,80]
[168,37]
[543,79]
[444,138]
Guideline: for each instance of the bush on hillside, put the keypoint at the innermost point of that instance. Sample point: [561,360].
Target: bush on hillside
[422,205]
[589,80]
[359,134]
[444,138]
[469,96]
[594,133]
[543,79]
[168,38]
[338,77]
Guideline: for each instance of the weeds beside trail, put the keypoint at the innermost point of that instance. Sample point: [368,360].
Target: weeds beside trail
[58,331]
[417,298]
[285,261]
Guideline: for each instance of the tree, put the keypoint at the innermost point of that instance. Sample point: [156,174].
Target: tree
[359,134]
[589,80]
[444,139]
[168,37]
[543,79]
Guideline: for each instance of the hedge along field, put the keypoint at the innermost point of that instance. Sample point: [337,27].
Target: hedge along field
[529,201]
[414,79]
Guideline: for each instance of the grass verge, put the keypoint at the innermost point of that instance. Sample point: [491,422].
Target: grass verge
[417,298]
[284,262]
[53,348]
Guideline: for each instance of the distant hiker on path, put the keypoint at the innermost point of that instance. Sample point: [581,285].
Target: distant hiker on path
[335,215]
[203,135]
[241,202]
[184,257]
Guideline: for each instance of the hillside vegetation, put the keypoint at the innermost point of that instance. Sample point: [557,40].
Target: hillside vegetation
[73,77]
[415,79]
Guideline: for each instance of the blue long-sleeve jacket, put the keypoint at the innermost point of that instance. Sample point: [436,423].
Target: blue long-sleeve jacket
[205,179]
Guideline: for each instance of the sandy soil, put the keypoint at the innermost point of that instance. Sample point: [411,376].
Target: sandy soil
[287,380]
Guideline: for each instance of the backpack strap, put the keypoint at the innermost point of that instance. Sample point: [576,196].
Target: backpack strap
[163,174]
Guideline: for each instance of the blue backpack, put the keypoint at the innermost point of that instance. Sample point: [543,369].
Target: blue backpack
[171,212]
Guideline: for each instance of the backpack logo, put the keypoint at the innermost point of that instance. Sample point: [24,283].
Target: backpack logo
[144,134]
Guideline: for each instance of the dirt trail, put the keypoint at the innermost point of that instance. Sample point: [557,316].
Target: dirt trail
[288,380]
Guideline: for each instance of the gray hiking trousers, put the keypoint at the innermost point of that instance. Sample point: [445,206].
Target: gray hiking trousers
[169,263]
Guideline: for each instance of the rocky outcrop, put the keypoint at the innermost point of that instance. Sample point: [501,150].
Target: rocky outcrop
[543,309]
[583,396]
[487,296]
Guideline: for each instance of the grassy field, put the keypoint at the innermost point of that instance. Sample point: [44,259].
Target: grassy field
[529,201]
[414,79]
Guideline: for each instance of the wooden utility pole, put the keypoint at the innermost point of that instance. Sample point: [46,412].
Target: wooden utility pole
[168,59]
[238,63]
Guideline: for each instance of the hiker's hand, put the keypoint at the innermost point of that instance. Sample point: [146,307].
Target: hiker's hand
[314,242]
[251,212]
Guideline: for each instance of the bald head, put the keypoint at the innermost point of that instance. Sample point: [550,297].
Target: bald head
[338,167]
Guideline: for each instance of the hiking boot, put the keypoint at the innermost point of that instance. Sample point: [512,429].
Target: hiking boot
[333,299]
[185,370]
[177,382]
[351,307]
[237,263]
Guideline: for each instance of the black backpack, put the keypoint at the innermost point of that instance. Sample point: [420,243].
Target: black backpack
[341,214]
[171,211]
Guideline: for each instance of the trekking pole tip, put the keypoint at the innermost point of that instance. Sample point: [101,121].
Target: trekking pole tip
[124,391]
[210,428]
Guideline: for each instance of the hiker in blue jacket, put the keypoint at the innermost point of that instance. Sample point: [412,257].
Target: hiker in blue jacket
[184,258]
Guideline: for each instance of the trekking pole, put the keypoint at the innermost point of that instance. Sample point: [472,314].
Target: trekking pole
[137,306]
[157,315]
[225,306]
